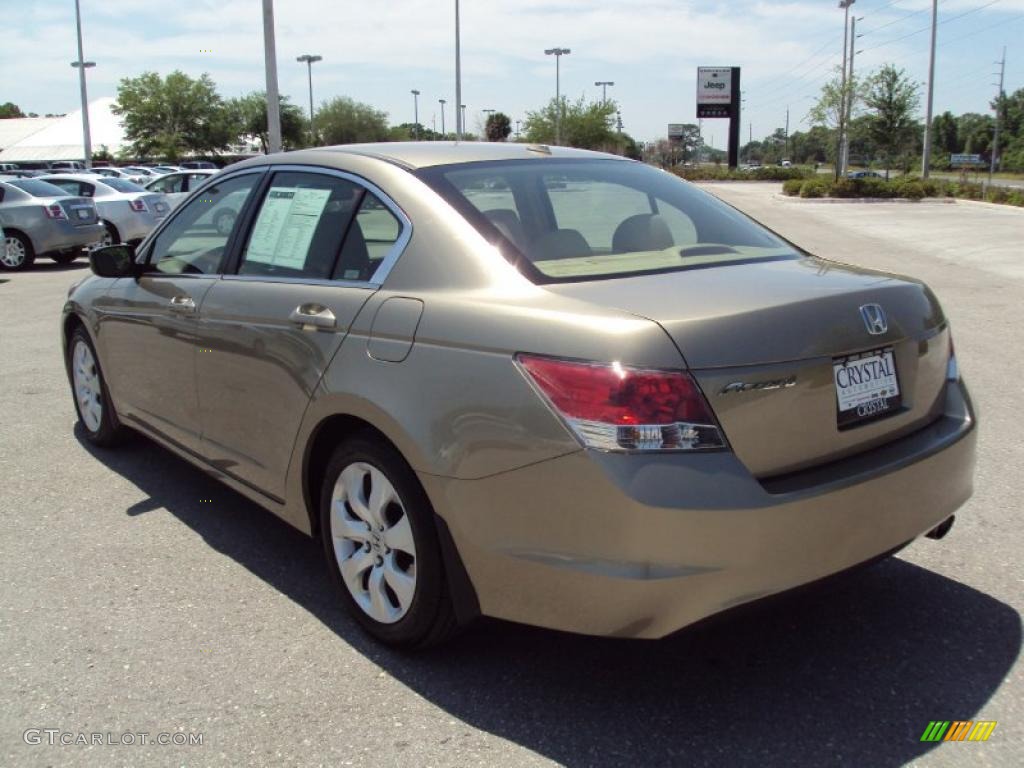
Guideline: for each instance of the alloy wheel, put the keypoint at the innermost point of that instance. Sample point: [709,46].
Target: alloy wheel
[373,542]
[13,255]
[88,390]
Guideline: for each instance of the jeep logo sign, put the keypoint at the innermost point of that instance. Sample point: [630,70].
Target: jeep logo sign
[714,85]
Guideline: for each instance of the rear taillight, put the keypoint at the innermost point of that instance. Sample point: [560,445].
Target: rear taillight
[952,369]
[612,407]
[139,206]
[54,211]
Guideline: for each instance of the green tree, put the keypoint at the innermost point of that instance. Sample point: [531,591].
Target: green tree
[975,132]
[173,116]
[498,126]
[9,109]
[412,132]
[346,121]
[249,119]
[588,126]
[945,138]
[892,99]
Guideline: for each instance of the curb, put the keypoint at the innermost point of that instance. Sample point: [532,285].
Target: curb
[869,200]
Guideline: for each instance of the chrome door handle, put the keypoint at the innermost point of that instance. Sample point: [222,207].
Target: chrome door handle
[313,315]
[183,304]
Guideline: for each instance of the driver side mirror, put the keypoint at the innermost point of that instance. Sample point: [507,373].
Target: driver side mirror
[114,261]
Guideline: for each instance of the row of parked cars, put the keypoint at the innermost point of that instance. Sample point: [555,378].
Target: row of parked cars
[62,215]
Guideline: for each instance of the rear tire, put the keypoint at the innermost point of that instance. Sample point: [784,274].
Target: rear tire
[17,253]
[111,236]
[90,393]
[381,546]
[64,258]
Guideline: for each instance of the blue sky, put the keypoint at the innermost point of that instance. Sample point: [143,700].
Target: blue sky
[378,52]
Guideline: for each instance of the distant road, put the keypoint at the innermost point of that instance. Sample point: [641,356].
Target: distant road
[950,176]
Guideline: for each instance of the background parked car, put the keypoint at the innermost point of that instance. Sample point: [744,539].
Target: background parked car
[121,173]
[165,168]
[198,164]
[67,165]
[40,219]
[176,186]
[127,210]
[864,175]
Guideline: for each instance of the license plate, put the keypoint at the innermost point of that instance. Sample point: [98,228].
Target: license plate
[866,386]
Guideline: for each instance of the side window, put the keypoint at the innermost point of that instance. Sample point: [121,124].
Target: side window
[300,226]
[195,179]
[71,187]
[371,237]
[168,184]
[193,242]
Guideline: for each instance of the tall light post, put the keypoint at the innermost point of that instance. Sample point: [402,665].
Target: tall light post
[848,106]
[416,111]
[604,89]
[845,5]
[442,102]
[83,65]
[518,123]
[462,117]
[558,53]
[926,155]
[459,117]
[310,60]
[270,63]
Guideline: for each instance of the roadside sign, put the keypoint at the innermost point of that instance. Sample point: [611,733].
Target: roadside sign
[714,92]
[675,131]
[966,160]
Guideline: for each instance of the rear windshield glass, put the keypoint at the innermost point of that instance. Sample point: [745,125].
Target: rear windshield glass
[122,185]
[38,188]
[573,220]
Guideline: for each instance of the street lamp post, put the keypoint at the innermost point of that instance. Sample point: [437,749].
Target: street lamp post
[604,89]
[926,155]
[558,53]
[442,102]
[416,111]
[462,118]
[309,60]
[459,118]
[82,65]
[840,138]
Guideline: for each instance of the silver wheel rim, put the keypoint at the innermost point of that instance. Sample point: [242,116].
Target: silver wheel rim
[88,392]
[13,254]
[373,542]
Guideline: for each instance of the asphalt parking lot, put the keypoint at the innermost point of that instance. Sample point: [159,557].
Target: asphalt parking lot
[138,595]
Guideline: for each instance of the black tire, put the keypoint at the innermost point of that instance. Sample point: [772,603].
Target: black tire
[108,431]
[430,618]
[18,253]
[113,237]
[65,258]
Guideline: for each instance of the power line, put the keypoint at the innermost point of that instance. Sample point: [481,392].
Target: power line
[928,28]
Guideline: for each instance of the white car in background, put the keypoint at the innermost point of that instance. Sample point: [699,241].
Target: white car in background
[127,210]
[177,186]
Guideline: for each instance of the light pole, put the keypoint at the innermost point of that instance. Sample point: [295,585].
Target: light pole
[416,111]
[604,89]
[442,102]
[459,118]
[845,5]
[849,97]
[309,61]
[518,123]
[270,64]
[558,53]
[926,155]
[83,65]
[462,117]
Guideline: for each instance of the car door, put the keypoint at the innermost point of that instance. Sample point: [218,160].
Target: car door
[147,329]
[269,331]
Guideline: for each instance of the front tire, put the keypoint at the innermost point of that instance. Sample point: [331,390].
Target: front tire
[92,398]
[17,253]
[64,258]
[381,546]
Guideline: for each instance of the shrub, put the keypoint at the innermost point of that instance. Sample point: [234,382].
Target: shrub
[814,188]
[792,187]
[1015,197]
[722,173]
[996,194]
[911,190]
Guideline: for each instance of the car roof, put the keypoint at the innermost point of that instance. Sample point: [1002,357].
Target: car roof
[424,154]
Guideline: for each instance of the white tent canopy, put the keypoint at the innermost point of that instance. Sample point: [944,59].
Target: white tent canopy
[36,139]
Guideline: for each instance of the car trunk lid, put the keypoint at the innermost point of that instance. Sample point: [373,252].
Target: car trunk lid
[81,211]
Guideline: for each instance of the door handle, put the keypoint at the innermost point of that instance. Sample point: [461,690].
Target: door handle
[313,315]
[182,304]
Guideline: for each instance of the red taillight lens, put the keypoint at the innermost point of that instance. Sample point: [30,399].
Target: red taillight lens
[614,407]
[139,206]
[54,211]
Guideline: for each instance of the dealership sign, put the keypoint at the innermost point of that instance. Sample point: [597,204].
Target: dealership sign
[966,160]
[714,92]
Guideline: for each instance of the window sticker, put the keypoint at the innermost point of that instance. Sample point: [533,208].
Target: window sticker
[285,226]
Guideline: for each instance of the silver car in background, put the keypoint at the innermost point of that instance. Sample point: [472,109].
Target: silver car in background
[128,211]
[177,186]
[40,219]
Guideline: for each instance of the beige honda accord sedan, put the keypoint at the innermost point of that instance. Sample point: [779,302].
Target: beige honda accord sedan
[541,384]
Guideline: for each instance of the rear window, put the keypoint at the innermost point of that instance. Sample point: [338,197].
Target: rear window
[122,185]
[572,220]
[38,188]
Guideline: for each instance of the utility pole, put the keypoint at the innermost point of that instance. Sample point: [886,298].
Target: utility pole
[848,105]
[416,112]
[926,155]
[442,102]
[270,60]
[845,5]
[995,138]
[787,133]
[81,64]
[458,78]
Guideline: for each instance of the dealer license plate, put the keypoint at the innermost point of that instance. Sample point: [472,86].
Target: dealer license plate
[867,386]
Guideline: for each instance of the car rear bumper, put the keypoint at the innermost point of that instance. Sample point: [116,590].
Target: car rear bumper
[64,236]
[640,546]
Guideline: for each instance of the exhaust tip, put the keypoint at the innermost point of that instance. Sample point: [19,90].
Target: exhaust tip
[942,528]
